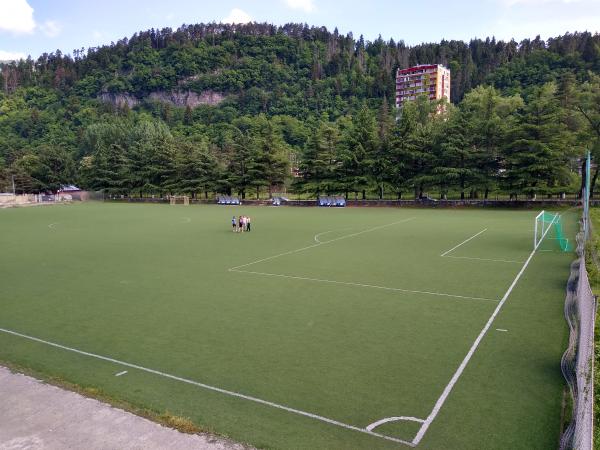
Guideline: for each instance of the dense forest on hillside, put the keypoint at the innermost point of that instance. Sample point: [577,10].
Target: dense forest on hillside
[248,109]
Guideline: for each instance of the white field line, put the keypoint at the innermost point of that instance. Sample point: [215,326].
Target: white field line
[321,243]
[373,286]
[316,238]
[120,373]
[463,242]
[501,329]
[211,388]
[442,399]
[484,259]
[392,419]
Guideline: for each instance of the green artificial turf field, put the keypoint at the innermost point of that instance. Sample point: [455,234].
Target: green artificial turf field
[307,332]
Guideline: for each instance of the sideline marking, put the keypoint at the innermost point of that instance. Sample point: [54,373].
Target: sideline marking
[463,242]
[374,286]
[485,259]
[213,388]
[120,373]
[233,269]
[442,399]
[501,329]
[392,419]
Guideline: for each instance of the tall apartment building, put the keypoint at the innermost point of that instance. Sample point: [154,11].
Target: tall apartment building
[429,79]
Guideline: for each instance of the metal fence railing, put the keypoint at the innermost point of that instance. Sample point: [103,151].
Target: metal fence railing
[577,363]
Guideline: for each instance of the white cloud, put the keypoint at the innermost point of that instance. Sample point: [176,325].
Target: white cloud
[51,28]
[97,34]
[11,56]
[237,16]
[304,5]
[16,16]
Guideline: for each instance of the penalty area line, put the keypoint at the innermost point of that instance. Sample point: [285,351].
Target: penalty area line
[485,259]
[463,242]
[210,388]
[372,286]
[442,399]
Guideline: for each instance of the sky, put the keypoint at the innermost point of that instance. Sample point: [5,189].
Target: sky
[33,27]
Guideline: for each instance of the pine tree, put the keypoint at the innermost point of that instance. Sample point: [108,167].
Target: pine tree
[587,106]
[456,166]
[538,152]
[241,148]
[381,159]
[188,117]
[359,147]
[319,160]
[153,157]
[413,153]
[490,118]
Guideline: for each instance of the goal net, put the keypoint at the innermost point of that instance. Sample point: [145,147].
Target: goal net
[549,224]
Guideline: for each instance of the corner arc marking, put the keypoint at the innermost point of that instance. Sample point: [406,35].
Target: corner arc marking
[374,425]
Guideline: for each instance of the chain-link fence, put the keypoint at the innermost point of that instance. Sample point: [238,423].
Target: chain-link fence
[577,363]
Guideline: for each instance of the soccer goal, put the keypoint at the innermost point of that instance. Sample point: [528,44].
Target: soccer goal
[179,200]
[549,224]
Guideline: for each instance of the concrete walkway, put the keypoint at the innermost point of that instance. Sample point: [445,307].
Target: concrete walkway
[35,416]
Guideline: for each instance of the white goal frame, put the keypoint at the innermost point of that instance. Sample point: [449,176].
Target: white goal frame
[541,228]
[184,198]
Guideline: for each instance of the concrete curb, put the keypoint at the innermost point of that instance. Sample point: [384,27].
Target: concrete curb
[36,415]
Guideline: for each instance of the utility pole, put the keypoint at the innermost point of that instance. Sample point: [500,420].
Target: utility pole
[13,183]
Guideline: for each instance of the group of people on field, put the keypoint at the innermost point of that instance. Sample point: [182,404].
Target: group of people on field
[241,224]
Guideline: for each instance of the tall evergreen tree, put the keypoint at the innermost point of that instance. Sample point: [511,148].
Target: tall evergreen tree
[588,106]
[359,147]
[456,165]
[319,161]
[196,169]
[490,117]
[538,152]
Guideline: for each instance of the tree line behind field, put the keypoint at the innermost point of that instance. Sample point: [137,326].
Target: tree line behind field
[302,108]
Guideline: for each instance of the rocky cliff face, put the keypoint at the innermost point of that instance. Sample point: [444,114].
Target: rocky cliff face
[188,98]
[119,100]
[176,98]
